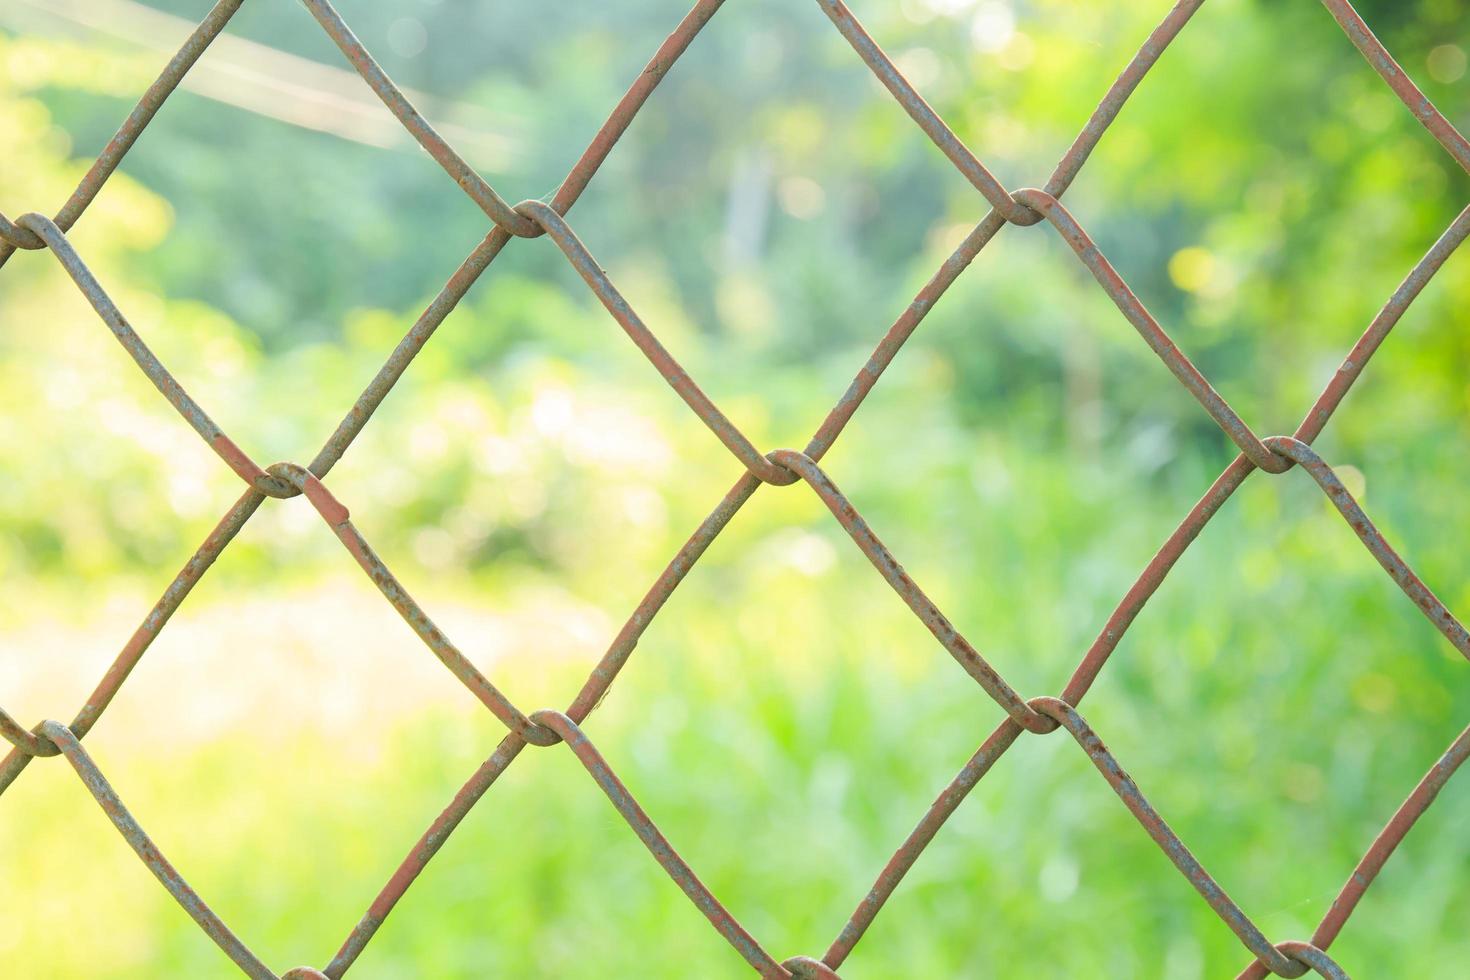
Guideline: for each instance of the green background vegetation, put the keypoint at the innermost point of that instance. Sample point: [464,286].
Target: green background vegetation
[786,720]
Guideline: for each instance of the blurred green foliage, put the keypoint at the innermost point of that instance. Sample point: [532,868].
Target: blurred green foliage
[786,720]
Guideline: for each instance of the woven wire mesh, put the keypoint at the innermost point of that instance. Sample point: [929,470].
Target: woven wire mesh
[534,218]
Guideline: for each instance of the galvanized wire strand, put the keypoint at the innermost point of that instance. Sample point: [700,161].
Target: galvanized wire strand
[1274,454]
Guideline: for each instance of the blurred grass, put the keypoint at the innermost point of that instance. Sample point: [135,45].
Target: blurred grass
[786,747]
[786,720]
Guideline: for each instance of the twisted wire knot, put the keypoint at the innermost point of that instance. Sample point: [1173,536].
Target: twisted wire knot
[1024,215]
[1306,957]
[35,743]
[1052,711]
[17,234]
[809,968]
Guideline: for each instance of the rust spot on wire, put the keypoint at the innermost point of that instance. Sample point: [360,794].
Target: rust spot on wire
[530,219]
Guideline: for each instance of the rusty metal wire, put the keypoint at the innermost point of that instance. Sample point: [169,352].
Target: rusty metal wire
[531,219]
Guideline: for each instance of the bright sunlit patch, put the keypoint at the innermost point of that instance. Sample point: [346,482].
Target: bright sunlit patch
[916,11]
[188,491]
[992,27]
[1353,479]
[797,130]
[764,53]
[407,37]
[296,521]
[810,554]
[947,237]
[435,548]
[947,8]
[1303,783]
[990,476]
[1374,111]
[1059,878]
[801,197]
[28,61]
[644,506]
[56,141]
[1375,692]
[1183,958]
[462,411]
[1260,569]
[65,388]
[499,455]
[1192,268]
[1017,52]
[552,411]
[427,441]
[135,219]
[919,65]
[612,437]
[1446,63]
[745,304]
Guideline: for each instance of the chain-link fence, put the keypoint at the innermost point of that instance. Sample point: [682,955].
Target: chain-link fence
[530,219]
